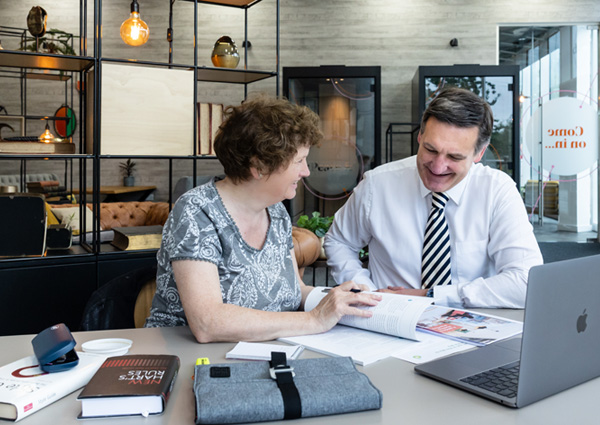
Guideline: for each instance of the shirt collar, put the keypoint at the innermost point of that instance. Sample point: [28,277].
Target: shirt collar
[454,193]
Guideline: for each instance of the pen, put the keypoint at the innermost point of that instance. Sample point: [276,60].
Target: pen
[355,290]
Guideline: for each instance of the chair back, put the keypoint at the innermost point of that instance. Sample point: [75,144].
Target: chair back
[143,303]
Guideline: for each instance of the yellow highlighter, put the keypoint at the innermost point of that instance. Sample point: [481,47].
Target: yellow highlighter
[201,361]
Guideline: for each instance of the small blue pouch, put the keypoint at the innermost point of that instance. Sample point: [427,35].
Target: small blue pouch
[54,348]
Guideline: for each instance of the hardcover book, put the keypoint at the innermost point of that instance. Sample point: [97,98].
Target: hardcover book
[25,388]
[44,183]
[139,237]
[138,384]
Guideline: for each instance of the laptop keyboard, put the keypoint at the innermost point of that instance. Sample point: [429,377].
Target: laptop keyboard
[502,380]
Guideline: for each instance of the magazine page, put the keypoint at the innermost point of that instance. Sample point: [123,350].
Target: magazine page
[369,347]
[395,315]
[467,326]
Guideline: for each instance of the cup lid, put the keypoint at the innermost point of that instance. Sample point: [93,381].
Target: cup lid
[108,346]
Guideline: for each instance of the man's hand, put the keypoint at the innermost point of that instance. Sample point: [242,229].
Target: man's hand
[404,291]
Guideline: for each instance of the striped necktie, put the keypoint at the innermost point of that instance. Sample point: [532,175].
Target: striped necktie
[435,267]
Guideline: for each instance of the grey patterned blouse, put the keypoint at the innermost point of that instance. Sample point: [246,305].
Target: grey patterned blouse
[200,228]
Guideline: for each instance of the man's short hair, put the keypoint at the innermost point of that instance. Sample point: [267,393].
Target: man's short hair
[462,108]
[265,133]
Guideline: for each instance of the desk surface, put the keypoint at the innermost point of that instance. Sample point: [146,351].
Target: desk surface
[408,398]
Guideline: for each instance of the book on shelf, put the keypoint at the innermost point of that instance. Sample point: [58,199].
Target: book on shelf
[137,384]
[50,191]
[25,388]
[210,117]
[46,189]
[43,183]
[36,147]
[411,317]
[138,237]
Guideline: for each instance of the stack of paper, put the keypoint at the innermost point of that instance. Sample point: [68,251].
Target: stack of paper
[260,351]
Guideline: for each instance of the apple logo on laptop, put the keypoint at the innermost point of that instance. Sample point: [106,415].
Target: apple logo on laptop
[581,322]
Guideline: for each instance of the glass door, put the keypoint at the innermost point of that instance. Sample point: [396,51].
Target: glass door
[498,92]
[559,126]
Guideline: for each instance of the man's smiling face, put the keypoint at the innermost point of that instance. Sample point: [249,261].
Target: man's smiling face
[445,154]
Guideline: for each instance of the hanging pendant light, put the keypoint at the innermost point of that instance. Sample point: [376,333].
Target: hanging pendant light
[46,136]
[134,31]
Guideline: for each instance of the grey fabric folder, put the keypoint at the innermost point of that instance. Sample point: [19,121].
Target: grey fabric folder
[326,386]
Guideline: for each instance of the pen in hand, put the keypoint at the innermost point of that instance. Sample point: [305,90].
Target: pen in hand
[355,290]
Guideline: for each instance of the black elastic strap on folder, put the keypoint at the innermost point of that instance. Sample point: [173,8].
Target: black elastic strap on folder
[284,375]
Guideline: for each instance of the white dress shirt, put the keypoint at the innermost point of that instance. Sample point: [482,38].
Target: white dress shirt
[493,245]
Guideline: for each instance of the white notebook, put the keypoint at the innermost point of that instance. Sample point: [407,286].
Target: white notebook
[261,351]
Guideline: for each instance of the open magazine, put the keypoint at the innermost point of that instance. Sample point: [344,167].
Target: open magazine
[404,315]
[467,326]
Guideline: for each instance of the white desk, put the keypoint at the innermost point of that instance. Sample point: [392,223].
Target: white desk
[408,398]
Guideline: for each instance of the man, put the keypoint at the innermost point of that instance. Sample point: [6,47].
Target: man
[491,243]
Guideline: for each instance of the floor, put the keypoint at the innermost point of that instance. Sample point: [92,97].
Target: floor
[548,232]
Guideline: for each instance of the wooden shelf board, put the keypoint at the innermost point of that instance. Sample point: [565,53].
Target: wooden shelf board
[236,76]
[36,148]
[40,76]
[18,59]
[232,3]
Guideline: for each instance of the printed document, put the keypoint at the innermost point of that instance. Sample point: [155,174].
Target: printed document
[393,330]
[395,315]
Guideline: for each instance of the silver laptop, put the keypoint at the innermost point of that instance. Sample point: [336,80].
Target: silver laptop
[558,348]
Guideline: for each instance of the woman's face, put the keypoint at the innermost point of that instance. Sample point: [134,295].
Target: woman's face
[282,184]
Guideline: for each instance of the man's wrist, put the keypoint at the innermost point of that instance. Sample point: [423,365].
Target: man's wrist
[430,293]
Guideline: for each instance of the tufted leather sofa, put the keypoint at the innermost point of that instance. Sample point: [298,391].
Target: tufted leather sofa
[129,214]
[307,245]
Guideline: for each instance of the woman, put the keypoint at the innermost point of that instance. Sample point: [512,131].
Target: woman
[226,266]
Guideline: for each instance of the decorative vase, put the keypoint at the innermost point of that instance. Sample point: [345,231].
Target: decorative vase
[225,54]
[322,255]
[128,181]
[36,21]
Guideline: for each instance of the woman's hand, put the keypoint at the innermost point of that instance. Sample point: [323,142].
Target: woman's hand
[343,300]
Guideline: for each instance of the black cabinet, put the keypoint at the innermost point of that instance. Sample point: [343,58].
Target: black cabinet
[348,102]
[43,293]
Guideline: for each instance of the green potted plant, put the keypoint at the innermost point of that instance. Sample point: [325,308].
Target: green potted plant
[128,167]
[316,224]
[319,226]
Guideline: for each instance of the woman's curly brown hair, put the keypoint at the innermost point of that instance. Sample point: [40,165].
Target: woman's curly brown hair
[265,133]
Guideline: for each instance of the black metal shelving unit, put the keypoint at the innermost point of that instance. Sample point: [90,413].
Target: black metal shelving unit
[58,285]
